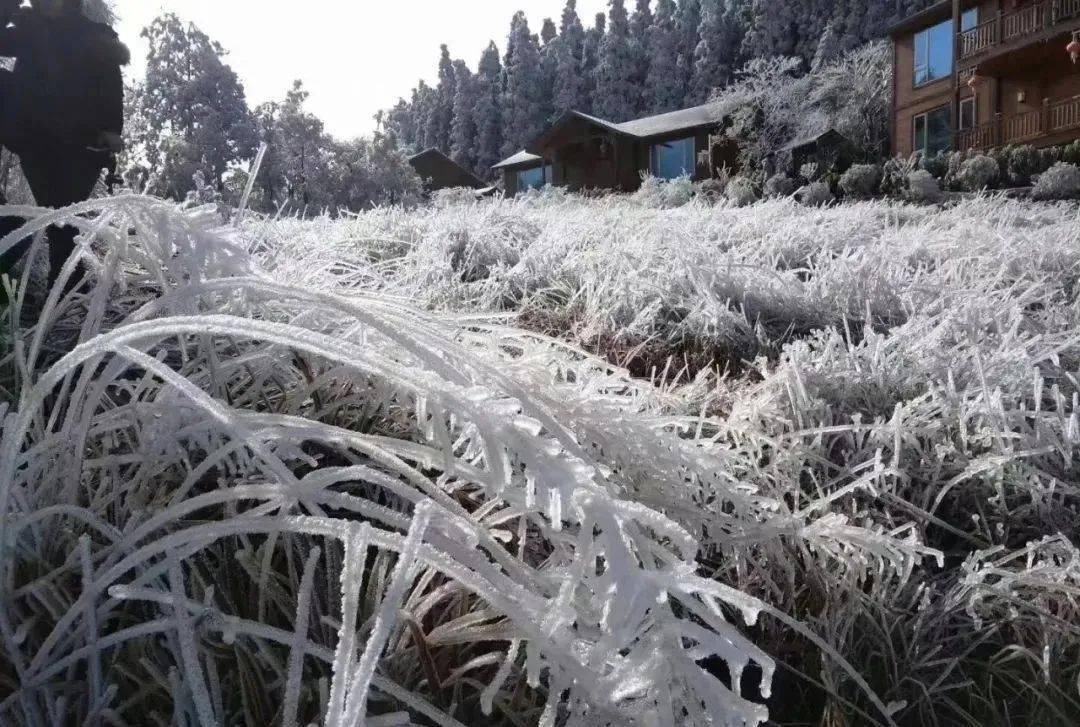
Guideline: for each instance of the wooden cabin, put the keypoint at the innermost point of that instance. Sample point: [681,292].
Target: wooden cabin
[441,172]
[1026,87]
[582,152]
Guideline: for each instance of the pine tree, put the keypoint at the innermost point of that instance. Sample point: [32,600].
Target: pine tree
[641,22]
[549,63]
[440,117]
[488,112]
[661,92]
[463,131]
[829,47]
[616,94]
[569,87]
[594,38]
[523,104]
[688,32]
[718,51]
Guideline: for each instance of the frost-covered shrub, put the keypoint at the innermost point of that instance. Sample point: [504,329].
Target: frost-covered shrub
[894,175]
[712,190]
[978,173]
[1025,163]
[810,172]
[861,181]
[453,196]
[656,193]
[1061,181]
[740,192]
[816,194]
[779,185]
[923,188]
[1071,153]
[936,164]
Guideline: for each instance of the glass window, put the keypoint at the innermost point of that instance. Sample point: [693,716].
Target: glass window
[934,54]
[674,159]
[969,20]
[969,114]
[534,178]
[933,131]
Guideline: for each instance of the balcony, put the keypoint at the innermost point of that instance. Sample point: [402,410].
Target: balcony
[1055,117]
[1019,26]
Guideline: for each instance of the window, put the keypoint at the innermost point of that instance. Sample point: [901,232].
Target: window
[934,54]
[534,178]
[969,20]
[969,114]
[674,159]
[933,131]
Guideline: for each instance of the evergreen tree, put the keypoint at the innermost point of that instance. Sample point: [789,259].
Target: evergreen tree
[829,47]
[549,64]
[523,104]
[718,50]
[662,92]
[424,105]
[569,86]
[488,112]
[440,118]
[641,22]
[463,148]
[688,32]
[594,37]
[616,93]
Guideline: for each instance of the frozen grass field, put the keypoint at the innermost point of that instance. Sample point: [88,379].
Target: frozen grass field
[549,461]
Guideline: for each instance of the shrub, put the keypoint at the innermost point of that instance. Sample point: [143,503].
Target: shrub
[658,193]
[1071,153]
[894,176]
[861,181]
[978,173]
[779,185]
[1061,181]
[922,187]
[740,192]
[810,172]
[816,194]
[712,190]
[1025,162]
[454,196]
[936,164]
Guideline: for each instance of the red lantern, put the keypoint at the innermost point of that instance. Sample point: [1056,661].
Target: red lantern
[1073,49]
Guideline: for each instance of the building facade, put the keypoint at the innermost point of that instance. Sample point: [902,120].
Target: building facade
[977,74]
[581,152]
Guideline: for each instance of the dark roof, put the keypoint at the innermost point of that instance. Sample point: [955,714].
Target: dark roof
[828,134]
[669,123]
[932,15]
[442,171]
[521,158]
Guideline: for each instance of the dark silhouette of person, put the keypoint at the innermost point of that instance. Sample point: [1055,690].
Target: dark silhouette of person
[63,109]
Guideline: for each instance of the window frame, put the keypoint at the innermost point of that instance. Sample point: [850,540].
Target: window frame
[521,175]
[945,112]
[973,103]
[946,30]
[689,157]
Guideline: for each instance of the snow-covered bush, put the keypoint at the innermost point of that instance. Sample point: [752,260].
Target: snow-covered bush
[656,193]
[779,185]
[815,194]
[978,173]
[740,192]
[923,188]
[861,181]
[453,196]
[1061,181]
[712,190]
[810,172]
[895,173]
[1025,163]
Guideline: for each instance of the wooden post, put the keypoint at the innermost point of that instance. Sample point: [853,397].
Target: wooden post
[999,129]
[1046,126]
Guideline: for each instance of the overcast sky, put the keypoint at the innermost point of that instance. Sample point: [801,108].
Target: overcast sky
[355,56]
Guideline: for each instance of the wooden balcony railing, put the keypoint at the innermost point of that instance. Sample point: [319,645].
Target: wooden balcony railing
[1009,27]
[1053,118]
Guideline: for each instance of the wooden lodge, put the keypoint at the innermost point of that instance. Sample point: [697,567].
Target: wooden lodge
[439,171]
[975,74]
[583,152]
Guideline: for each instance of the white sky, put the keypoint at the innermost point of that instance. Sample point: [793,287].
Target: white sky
[355,56]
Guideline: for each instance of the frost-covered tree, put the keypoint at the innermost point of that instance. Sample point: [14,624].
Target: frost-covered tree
[401,121]
[523,103]
[641,22]
[198,118]
[488,111]
[569,87]
[718,52]
[616,92]
[463,136]
[688,32]
[594,37]
[661,91]
[100,11]
[549,62]
[440,116]
[829,47]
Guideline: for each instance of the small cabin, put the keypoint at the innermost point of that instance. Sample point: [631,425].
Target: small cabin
[439,171]
[583,152]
